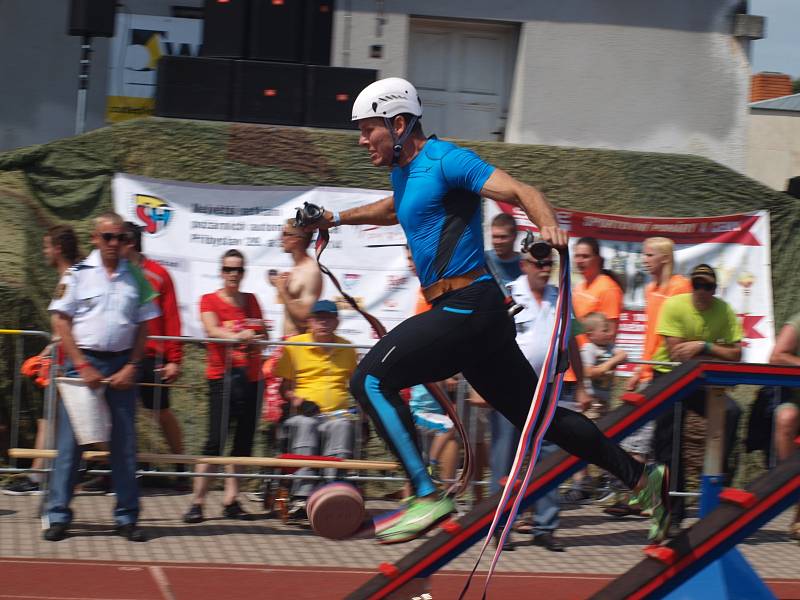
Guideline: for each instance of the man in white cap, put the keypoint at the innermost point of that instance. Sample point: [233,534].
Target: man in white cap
[437,200]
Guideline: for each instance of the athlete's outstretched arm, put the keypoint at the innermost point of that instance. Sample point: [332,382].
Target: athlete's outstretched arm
[375,213]
[504,188]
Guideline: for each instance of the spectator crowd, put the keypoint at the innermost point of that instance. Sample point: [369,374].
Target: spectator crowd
[107,304]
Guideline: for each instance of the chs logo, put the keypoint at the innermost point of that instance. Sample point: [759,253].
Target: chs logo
[154,212]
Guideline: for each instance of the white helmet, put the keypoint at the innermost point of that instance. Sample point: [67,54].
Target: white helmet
[387,98]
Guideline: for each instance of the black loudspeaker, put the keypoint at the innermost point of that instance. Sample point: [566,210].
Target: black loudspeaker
[277,30]
[319,25]
[192,87]
[268,92]
[793,187]
[93,18]
[330,93]
[225,32]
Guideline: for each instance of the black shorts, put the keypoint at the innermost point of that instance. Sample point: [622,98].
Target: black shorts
[152,396]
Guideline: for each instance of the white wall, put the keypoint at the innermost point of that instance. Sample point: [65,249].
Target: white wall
[773,151]
[633,75]
[633,88]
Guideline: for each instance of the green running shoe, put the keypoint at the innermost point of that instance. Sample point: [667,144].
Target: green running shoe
[419,516]
[654,497]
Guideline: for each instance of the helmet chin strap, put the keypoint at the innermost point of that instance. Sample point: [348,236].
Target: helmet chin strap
[399,141]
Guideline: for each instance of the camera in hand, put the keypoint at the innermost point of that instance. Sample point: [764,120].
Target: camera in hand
[307,214]
[536,246]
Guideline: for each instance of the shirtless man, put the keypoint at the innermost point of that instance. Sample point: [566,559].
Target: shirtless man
[299,288]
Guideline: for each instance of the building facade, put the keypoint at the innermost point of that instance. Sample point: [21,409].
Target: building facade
[626,75]
[773,151]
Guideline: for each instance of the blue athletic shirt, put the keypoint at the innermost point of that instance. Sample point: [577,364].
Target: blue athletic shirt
[438,204]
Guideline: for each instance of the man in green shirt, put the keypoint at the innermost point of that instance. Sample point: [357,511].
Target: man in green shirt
[696,326]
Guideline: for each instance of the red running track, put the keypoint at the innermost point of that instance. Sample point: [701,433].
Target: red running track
[33,579]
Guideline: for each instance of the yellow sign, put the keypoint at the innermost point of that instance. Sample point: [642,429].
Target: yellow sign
[122,108]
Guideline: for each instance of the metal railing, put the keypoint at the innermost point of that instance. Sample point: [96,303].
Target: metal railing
[50,409]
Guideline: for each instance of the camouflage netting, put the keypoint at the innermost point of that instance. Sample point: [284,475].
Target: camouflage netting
[70,181]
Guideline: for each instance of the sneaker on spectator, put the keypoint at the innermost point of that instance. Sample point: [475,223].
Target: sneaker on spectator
[194,514]
[100,484]
[234,510]
[611,498]
[22,486]
[576,496]
[624,509]
[297,511]
[255,497]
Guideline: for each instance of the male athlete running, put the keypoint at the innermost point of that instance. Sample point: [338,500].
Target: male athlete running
[437,200]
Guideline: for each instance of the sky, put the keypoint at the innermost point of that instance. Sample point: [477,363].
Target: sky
[780,49]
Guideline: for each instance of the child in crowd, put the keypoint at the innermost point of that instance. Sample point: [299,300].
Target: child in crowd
[600,359]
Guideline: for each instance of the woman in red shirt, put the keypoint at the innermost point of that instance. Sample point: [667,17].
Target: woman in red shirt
[230,314]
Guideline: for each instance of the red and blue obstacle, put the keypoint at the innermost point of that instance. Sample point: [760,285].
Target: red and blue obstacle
[457,535]
[702,562]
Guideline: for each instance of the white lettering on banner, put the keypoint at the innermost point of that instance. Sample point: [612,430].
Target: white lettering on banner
[736,246]
[188,227]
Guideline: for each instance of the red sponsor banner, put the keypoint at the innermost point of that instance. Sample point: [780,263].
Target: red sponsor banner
[726,229]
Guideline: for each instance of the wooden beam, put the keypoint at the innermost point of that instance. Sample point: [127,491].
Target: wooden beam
[245,461]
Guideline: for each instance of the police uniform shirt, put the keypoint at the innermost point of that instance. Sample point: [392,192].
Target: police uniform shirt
[535,322]
[105,310]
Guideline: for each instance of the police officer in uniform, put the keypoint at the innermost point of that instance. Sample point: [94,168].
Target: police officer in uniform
[100,310]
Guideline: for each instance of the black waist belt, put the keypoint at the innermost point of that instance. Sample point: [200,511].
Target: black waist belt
[104,354]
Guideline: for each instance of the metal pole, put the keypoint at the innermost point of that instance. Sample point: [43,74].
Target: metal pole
[16,396]
[50,431]
[711,480]
[83,84]
[155,423]
[677,436]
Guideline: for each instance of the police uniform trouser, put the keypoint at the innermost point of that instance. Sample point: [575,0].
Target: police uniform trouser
[122,404]
[468,331]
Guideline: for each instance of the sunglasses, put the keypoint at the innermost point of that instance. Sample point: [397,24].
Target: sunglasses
[108,237]
[541,263]
[233,269]
[702,285]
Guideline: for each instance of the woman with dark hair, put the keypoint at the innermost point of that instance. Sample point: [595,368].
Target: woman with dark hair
[229,314]
[601,290]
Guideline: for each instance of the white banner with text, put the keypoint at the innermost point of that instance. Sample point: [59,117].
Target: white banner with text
[189,226]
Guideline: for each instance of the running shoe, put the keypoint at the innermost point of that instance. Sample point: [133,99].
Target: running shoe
[22,486]
[654,497]
[419,516]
